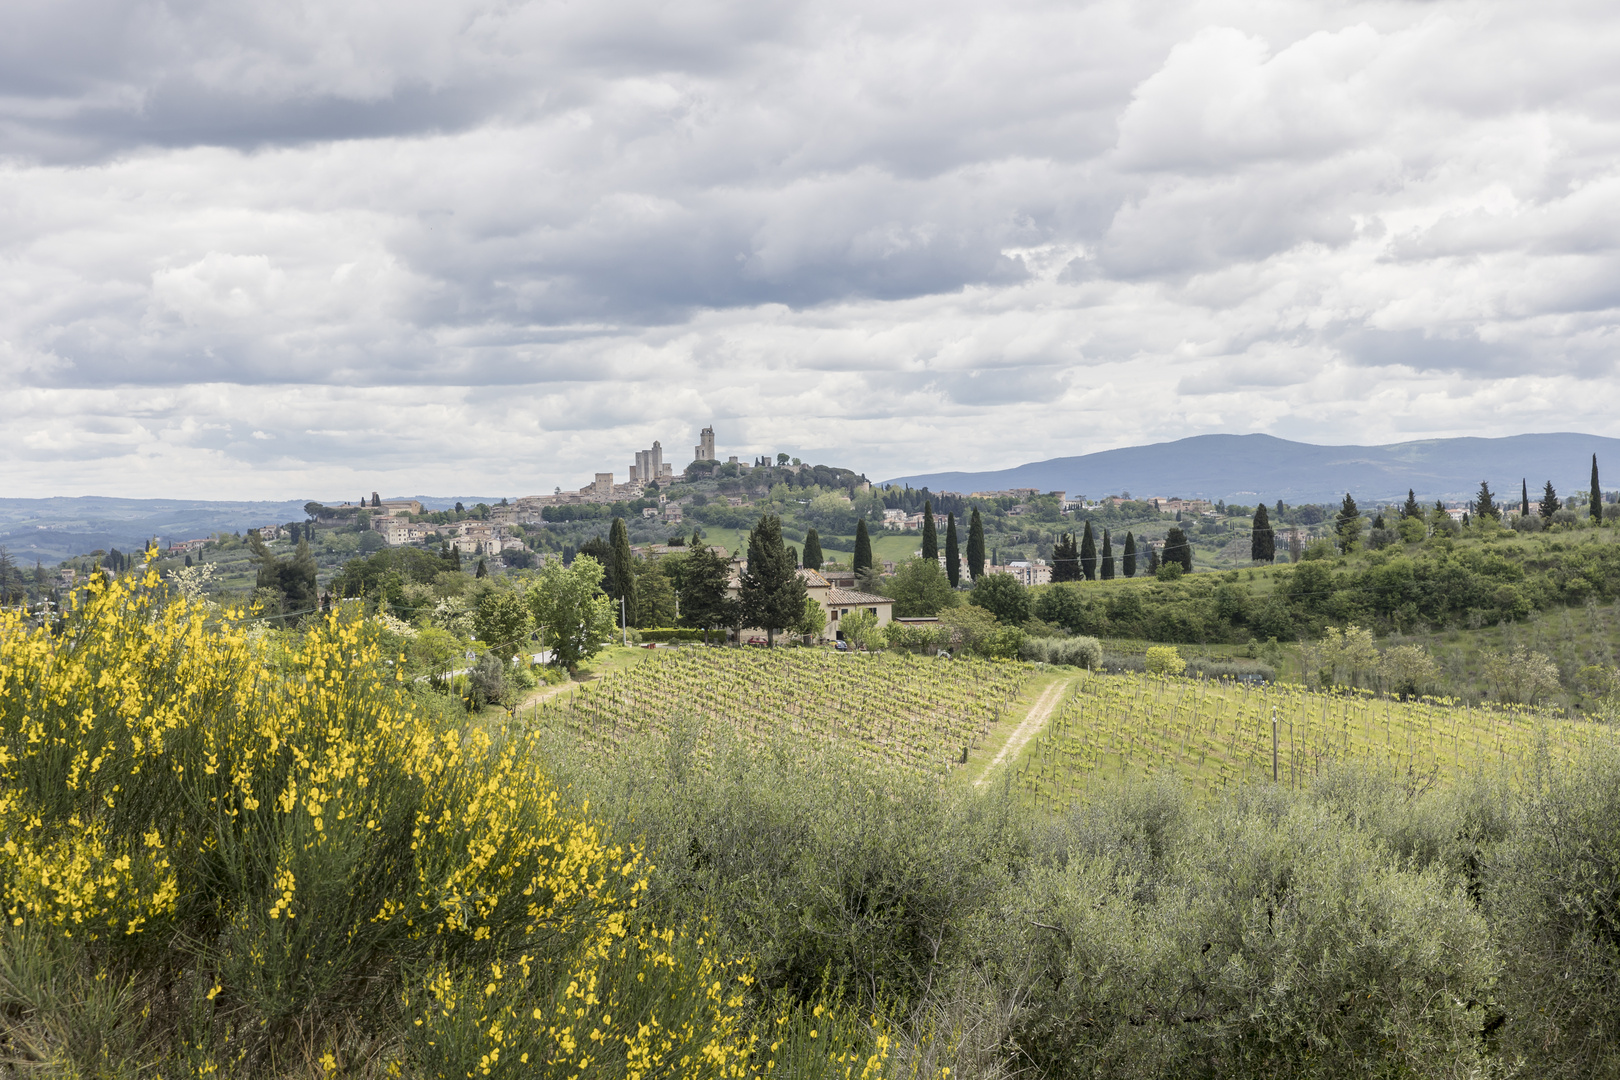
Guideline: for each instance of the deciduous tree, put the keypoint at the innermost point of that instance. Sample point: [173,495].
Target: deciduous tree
[574,615]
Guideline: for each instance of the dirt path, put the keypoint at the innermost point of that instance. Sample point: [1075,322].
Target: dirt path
[1039,713]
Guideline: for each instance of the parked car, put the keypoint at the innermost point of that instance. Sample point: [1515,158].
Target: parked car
[759,641]
[841,646]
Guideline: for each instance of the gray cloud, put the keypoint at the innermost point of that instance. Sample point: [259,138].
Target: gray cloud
[521,237]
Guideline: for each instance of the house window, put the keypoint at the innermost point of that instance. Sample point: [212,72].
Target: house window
[872,611]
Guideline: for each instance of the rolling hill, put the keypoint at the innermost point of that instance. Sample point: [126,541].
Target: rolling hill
[1247,468]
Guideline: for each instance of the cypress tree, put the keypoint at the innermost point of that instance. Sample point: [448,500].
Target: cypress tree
[621,572]
[1597,495]
[1262,538]
[863,547]
[1152,560]
[483,570]
[1177,549]
[1127,562]
[953,555]
[1107,558]
[1279,510]
[812,550]
[1411,509]
[975,546]
[1549,502]
[1088,554]
[1524,495]
[930,544]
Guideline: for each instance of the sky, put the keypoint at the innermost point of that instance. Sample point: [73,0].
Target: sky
[256,250]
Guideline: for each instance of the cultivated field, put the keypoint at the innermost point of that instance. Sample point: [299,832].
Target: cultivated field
[1216,734]
[903,710]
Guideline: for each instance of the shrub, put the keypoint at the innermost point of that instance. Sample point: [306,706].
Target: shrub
[1083,652]
[1231,669]
[667,634]
[1164,660]
[261,855]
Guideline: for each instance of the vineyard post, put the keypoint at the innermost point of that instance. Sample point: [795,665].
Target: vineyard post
[1274,744]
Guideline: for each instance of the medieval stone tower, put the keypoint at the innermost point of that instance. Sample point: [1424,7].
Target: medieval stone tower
[704,450]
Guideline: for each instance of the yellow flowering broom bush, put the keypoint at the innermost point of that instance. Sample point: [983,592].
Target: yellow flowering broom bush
[297,871]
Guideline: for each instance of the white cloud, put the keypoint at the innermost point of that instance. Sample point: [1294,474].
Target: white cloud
[475,246]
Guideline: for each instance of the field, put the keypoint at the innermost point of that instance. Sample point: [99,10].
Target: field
[1215,735]
[910,711]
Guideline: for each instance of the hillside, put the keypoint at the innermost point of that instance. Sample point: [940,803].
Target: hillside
[1248,468]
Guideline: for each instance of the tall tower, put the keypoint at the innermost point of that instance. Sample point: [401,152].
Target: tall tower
[704,450]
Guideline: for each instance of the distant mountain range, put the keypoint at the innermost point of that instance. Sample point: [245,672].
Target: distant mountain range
[1249,468]
[50,530]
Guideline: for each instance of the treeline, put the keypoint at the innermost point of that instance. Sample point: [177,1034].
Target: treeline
[1389,591]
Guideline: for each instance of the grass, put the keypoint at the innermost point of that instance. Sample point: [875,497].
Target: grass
[914,712]
[1214,735]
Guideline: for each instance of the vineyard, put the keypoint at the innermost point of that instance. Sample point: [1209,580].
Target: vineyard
[1215,735]
[902,710]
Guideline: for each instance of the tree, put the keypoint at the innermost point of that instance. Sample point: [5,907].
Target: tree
[1279,509]
[812,550]
[1347,526]
[621,572]
[501,621]
[1262,538]
[1127,562]
[1177,549]
[930,539]
[1003,596]
[1411,509]
[1484,503]
[291,580]
[975,546]
[771,592]
[705,591]
[375,500]
[953,555]
[1088,554]
[1152,560]
[863,547]
[574,616]
[1524,495]
[860,627]
[483,569]
[919,589]
[1549,502]
[1597,495]
[1065,559]
[1107,569]
[813,623]
[655,595]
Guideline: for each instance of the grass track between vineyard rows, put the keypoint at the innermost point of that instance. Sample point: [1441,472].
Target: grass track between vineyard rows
[1213,735]
[914,712]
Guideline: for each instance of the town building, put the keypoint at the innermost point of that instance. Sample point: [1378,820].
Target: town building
[704,450]
[396,531]
[1030,573]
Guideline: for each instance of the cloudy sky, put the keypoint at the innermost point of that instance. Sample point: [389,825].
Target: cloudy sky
[455,246]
